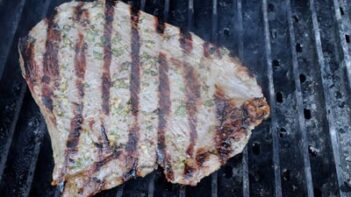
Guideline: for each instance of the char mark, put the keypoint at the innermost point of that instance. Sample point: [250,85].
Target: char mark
[133,137]
[50,62]
[77,121]
[164,103]
[193,95]
[106,76]
[185,40]
[192,92]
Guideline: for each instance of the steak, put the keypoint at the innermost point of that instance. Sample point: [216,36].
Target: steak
[123,92]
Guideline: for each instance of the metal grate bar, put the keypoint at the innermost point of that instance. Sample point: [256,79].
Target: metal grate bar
[214,39]
[298,94]
[14,79]
[120,191]
[324,70]
[19,172]
[273,126]
[9,137]
[341,31]
[9,26]
[245,160]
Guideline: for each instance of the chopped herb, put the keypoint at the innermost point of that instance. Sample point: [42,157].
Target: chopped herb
[121,83]
[117,52]
[98,55]
[181,110]
[209,103]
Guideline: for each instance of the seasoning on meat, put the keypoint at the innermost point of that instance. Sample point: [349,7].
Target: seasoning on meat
[123,92]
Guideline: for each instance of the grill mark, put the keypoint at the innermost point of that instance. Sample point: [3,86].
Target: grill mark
[106,76]
[192,94]
[159,25]
[133,136]
[50,62]
[77,121]
[163,115]
[186,41]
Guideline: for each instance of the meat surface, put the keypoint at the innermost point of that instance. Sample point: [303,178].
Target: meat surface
[123,93]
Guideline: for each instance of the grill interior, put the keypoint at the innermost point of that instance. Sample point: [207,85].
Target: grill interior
[300,53]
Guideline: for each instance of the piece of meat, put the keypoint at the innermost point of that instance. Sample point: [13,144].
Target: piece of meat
[122,92]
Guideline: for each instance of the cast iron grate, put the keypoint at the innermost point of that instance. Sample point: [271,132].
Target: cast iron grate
[300,52]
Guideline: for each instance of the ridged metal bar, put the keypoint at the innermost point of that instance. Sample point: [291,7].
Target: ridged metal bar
[142,4]
[120,191]
[341,32]
[330,117]
[245,160]
[20,96]
[214,39]
[9,26]
[273,126]
[12,128]
[299,101]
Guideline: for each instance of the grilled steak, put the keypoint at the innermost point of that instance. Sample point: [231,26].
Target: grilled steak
[122,92]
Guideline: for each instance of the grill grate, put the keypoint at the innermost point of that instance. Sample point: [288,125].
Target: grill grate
[299,51]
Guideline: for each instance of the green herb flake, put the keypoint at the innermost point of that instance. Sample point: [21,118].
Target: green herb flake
[209,103]
[181,110]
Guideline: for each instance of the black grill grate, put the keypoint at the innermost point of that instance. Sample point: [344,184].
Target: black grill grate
[300,52]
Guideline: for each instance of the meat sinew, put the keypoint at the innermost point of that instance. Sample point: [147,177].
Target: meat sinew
[122,92]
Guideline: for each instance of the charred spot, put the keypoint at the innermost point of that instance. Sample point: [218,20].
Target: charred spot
[76,127]
[132,171]
[206,49]
[45,79]
[169,172]
[91,123]
[201,156]
[188,170]
[159,25]
[81,15]
[47,97]
[186,41]
[133,138]
[106,85]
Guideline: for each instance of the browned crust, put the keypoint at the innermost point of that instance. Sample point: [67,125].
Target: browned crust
[235,121]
